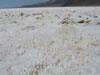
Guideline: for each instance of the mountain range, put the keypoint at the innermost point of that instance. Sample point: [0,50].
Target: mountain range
[58,3]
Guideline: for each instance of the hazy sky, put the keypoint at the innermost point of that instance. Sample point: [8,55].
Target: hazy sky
[17,3]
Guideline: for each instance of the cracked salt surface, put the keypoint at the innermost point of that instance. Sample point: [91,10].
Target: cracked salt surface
[50,41]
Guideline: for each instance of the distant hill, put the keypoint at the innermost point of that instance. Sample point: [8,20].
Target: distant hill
[84,3]
[49,3]
[58,3]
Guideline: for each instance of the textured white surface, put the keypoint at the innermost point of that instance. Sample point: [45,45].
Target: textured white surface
[50,41]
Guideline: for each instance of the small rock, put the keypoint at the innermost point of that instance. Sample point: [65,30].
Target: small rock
[95,16]
[81,21]
[84,21]
[21,14]
[28,28]
[13,22]
[38,17]
[87,21]
[98,23]
[79,16]
[65,22]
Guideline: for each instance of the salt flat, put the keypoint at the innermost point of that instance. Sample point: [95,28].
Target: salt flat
[50,41]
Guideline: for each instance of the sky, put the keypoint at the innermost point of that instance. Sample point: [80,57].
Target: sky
[18,3]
